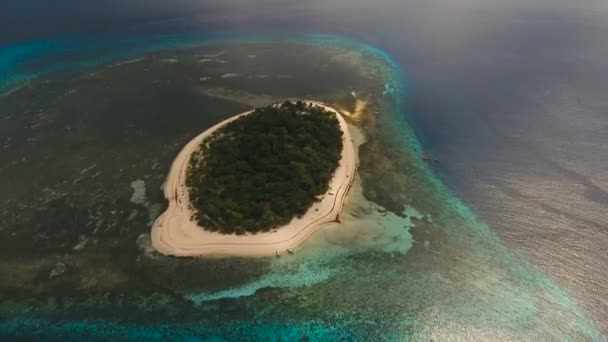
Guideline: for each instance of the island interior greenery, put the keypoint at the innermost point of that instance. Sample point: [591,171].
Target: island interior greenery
[265,168]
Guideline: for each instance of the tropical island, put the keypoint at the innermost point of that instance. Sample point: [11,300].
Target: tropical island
[263,169]
[257,184]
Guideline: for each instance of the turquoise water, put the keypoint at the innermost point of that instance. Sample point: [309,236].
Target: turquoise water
[464,285]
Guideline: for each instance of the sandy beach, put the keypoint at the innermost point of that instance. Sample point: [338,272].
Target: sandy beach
[174,233]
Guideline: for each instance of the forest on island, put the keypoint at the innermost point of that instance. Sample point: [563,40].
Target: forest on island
[265,168]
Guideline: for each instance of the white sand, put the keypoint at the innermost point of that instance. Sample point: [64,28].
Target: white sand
[174,233]
[139,192]
[229,75]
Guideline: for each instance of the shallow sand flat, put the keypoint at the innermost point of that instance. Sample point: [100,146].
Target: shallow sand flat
[174,233]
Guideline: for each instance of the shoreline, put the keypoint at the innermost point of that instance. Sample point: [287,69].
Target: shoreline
[174,233]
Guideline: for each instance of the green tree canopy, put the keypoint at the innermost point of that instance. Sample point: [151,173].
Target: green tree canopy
[265,168]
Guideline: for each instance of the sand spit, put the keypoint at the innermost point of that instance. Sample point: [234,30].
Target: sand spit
[174,233]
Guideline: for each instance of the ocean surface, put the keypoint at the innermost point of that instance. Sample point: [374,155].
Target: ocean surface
[507,96]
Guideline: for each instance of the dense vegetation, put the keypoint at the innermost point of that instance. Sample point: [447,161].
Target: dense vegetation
[261,170]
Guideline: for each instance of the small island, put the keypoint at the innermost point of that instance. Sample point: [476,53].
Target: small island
[260,171]
[257,184]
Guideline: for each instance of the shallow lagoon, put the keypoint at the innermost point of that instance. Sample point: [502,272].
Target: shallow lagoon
[410,261]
